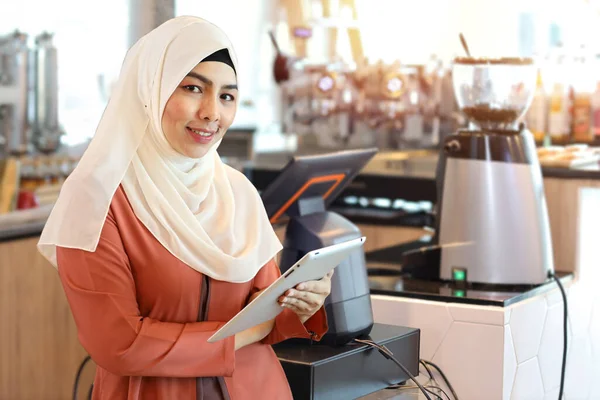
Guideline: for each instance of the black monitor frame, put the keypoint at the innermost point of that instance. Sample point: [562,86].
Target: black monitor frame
[322,176]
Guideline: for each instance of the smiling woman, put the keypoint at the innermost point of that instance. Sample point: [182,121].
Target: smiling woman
[158,243]
[202,107]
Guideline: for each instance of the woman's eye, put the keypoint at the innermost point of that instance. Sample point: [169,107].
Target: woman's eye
[193,88]
[227,97]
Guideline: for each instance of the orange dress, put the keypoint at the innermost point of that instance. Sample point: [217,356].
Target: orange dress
[144,318]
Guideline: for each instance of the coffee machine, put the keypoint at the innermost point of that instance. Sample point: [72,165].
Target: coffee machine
[491,221]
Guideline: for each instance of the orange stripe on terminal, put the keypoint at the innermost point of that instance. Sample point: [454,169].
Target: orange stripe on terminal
[336,179]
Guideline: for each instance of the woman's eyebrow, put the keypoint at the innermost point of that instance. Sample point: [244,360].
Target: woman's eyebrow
[209,82]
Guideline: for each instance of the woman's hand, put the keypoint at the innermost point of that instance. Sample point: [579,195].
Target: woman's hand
[307,297]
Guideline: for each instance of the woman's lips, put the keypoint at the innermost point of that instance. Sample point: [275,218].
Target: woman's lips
[201,136]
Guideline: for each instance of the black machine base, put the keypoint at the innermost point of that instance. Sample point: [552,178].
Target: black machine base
[361,323]
[347,372]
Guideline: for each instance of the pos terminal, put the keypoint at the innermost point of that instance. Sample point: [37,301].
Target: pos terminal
[300,195]
[337,367]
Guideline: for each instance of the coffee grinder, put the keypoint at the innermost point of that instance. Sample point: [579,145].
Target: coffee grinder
[491,221]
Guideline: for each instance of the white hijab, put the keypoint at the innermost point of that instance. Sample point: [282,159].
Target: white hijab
[204,212]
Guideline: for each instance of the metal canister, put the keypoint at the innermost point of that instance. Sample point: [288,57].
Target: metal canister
[47,130]
[14,93]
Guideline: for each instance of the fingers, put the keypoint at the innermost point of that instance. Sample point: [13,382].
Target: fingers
[297,305]
[319,287]
[322,286]
[300,312]
[310,298]
[307,297]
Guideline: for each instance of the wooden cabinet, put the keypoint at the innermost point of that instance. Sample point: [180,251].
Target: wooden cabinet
[39,350]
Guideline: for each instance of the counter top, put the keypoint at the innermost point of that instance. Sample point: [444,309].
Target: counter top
[24,223]
[449,293]
[407,175]
[386,278]
[28,229]
[410,164]
[583,172]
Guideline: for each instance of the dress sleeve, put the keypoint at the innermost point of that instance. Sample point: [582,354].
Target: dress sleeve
[101,292]
[287,324]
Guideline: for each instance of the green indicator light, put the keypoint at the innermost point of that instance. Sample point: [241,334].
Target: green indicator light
[459,293]
[459,274]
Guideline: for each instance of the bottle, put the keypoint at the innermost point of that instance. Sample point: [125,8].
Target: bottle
[558,115]
[582,132]
[559,121]
[582,103]
[538,111]
[595,111]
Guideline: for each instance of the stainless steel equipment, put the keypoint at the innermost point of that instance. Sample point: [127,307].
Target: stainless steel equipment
[46,130]
[492,220]
[28,95]
[391,106]
[15,131]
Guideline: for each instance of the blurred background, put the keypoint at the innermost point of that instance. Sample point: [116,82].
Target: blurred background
[315,76]
[92,37]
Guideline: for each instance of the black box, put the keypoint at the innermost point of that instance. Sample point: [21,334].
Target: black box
[317,371]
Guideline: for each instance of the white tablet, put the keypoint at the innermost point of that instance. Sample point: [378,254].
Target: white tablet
[313,266]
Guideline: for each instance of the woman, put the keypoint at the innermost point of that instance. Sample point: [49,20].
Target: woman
[158,243]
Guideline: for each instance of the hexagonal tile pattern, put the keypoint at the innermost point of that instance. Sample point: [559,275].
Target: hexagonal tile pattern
[553,395]
[507,316]
[479,314]
[510,363]
[588,251]
[555,296]
[579,376]
[433,319]
[478,346]
[595,390]
[595,329]
[528,382]
[550,352]
[520,347]
[580,308]
[526,324]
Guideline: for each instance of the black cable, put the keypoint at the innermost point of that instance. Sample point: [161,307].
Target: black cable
[389,355]
[427,385]
[443,377]
[432,387]
[565,328]
[78,376]
[428,371]
[432,378]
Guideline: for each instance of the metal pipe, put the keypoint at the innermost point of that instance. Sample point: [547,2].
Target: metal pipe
[47,131]
[145,15]
[14,94]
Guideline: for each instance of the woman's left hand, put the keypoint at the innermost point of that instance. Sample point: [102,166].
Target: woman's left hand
[307,297]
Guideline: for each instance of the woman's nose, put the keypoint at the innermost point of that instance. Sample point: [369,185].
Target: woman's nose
[209,109]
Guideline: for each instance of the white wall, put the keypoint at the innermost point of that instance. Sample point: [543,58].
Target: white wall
[91,41]
[247,23]
[412,30]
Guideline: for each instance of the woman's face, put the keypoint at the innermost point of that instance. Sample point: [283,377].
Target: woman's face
[201,109]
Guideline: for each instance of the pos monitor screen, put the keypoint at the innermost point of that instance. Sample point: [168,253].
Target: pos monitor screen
[323,176]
